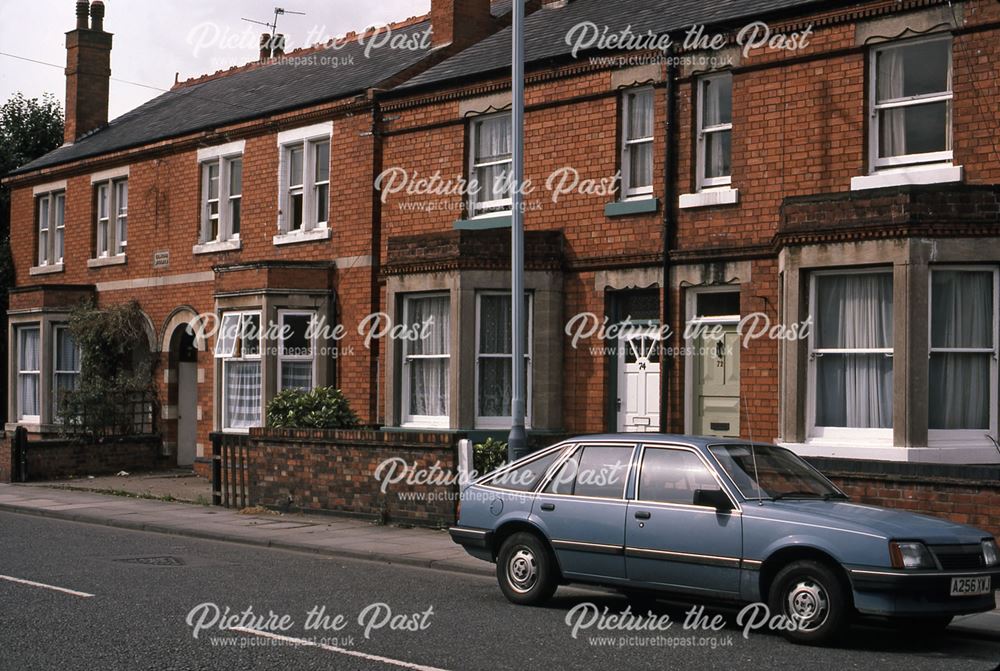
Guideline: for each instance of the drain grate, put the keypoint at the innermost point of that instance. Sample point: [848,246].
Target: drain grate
[153,561]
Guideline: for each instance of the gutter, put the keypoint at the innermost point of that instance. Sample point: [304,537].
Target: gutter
[670,170]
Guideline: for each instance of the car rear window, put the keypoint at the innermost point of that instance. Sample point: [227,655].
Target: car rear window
[524,478]
[595,470]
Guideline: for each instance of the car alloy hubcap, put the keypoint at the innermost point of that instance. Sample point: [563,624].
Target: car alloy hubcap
[522,570]
[808,604]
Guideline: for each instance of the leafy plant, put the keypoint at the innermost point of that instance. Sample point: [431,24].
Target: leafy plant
[115,395]
[321,408]
[488,456]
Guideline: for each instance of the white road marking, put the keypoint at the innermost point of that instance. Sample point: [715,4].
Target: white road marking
[32,583]
[330,648]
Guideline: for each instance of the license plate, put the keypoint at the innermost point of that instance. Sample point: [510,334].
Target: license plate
[970,586]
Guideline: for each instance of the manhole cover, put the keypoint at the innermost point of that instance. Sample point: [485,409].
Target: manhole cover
[153,561]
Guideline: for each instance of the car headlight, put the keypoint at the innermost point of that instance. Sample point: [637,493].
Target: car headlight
[911,555]
[991,554]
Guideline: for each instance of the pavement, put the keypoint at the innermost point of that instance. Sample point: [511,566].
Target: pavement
[329,535]
[172,485]
[325,535]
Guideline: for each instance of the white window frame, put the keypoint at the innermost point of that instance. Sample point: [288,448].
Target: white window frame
[942,157]
[421,421]
[51,204]
[296,358]
[227,355]
[57,329]
[837,434]
[483,422]
[21,417]
[488,208]
[224,200]
[702,131]
[307,138]
[110,219]
[966,437]
[628,191]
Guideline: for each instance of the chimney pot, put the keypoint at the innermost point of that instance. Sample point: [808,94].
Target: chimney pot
[82,12]
[97,16]
[265,46]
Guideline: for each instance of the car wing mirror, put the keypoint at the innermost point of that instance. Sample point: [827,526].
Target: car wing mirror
[713,498]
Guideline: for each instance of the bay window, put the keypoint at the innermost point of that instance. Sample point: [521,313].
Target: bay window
[490,161]
[851,347]
[963,350]
[296,355]
[911,103]
[715,130]
[66,359]
[494,358]
[238,347]
[29,373]
[426,393]
[637,143]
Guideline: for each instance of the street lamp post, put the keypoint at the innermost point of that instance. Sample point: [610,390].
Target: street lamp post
[517,443]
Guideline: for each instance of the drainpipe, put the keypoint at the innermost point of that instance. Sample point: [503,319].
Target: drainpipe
[375,382]
[669,209]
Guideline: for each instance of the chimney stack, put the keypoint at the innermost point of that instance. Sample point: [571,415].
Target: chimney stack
[278,49]
[265,46]
[460,23]
[88,72]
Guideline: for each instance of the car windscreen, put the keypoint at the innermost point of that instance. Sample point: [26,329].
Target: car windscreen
[772,472]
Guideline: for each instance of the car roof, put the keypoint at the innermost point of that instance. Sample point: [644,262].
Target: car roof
[696,441]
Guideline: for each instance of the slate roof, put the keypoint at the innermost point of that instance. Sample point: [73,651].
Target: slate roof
[545,30]
[242,95]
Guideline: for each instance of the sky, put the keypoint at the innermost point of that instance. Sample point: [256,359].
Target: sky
[156,39]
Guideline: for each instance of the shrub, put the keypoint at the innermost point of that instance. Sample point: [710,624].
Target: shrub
[488,456]
[115,395]
[321,408]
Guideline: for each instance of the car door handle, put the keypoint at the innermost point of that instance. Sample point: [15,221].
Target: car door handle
[548,507]
[642,515]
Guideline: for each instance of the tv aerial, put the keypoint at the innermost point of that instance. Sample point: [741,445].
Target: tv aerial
[278,11]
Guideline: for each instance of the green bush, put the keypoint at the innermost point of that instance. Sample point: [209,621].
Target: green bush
[488,456]
[322,408]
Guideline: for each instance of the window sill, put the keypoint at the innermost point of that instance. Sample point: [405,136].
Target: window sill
[46,270]
[484,223]
[625,208]
[106,261]
[216,247]
[710,198]
[312,235]
[932,174]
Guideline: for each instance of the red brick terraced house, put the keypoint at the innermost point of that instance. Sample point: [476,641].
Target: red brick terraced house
[843,179]
[814,212]
[246,194]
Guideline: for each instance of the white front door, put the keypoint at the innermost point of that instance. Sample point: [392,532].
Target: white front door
[639,380]
[716,390]
[187,412]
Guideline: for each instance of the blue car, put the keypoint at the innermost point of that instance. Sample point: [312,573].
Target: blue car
[720,519]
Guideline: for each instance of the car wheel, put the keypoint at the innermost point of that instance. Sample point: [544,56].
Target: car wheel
[923,625]
[526,570]
[812,596]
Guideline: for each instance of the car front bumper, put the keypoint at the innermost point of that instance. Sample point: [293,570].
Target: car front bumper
[893,592]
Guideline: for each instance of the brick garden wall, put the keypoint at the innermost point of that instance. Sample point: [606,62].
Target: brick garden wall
[967,495]
[54,459]
[6,460]
[335,471]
